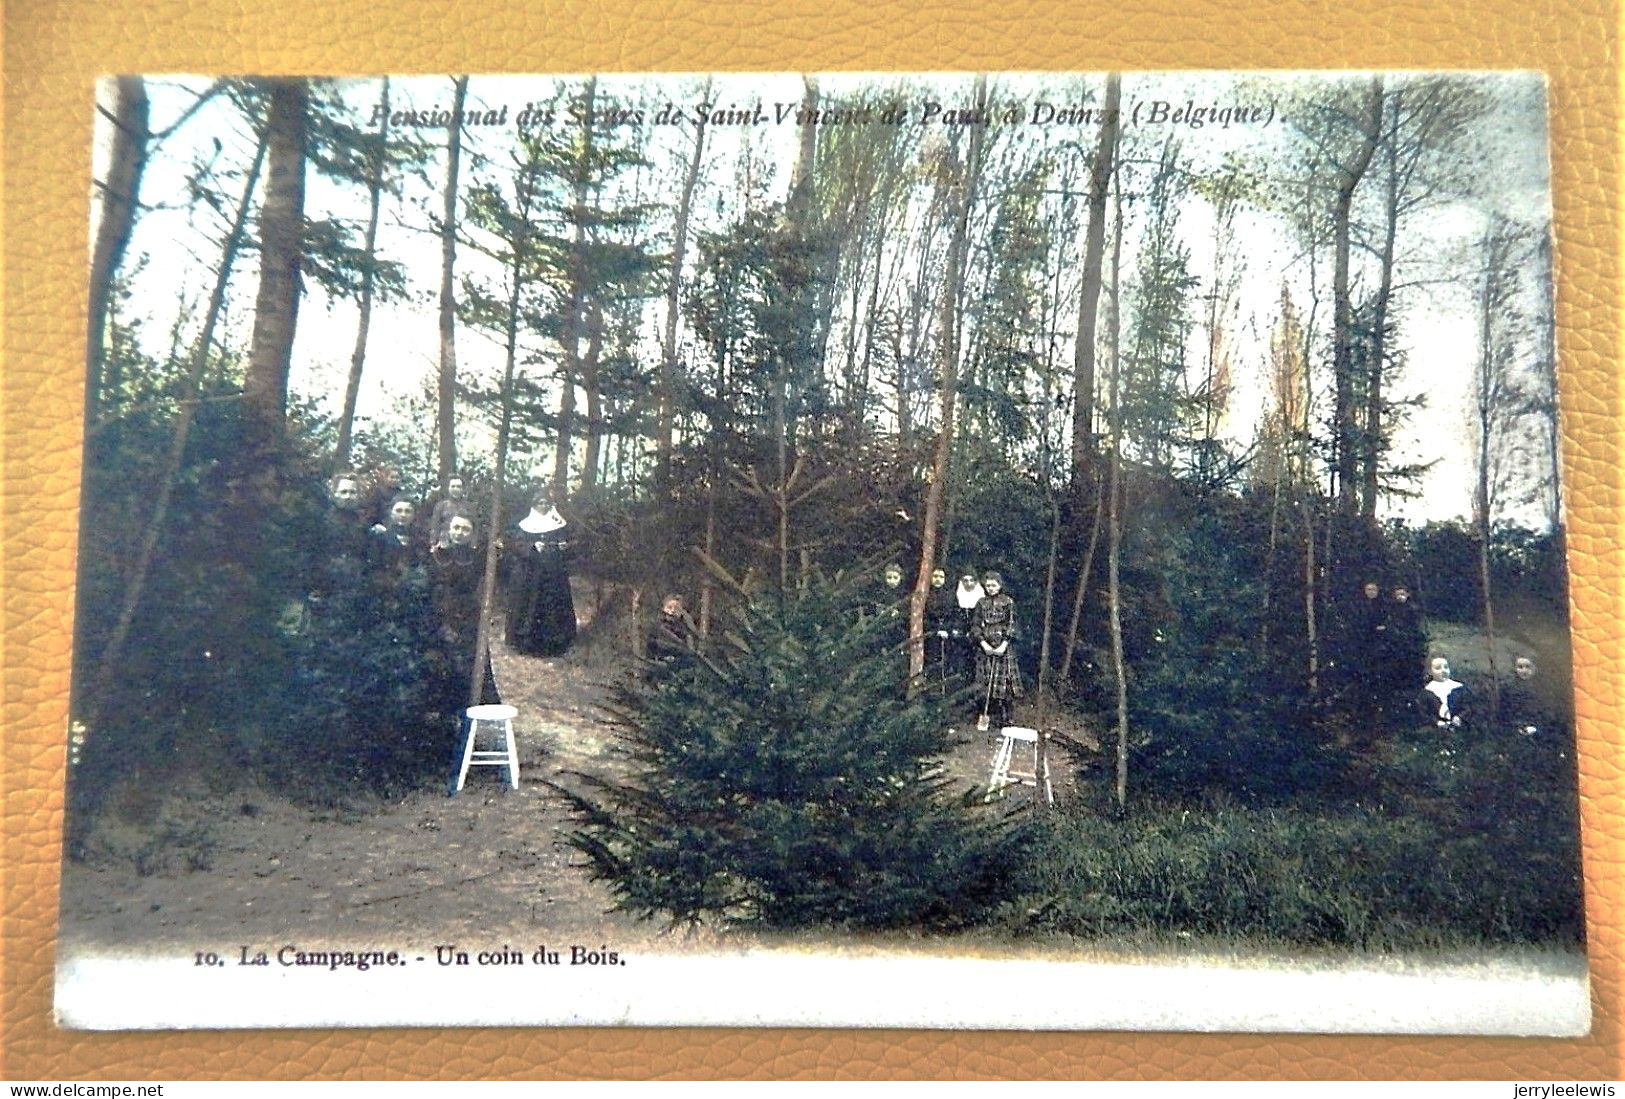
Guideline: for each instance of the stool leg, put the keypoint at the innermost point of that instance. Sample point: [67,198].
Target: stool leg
[1001,767]
[458,763]
[468,754]
[513,755]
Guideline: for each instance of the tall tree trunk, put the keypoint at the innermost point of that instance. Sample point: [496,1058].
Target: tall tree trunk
[871,311]
[1488,603]
[1311,612]
[1050,323]
[1486,399]
[948,385]
[716,457]
[358,357]
[905,420]
[1042,719]
[1554,431]
[1288,407]
[917,325]
[1546,391]
[1086,566]
[1114,508]
[824,262]
[566,442]
[446,388]
[282,227]
[668,341]
[1371,453]
[493,524]
[706,585]
[120,199]
[1307,482]
[801,175]
[590,385]
[799,213]
[1343,418]
[581,177]
[135,586]
[854,394]
[1100,174]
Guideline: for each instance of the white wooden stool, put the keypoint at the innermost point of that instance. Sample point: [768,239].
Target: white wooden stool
[508,756]
[1003,776]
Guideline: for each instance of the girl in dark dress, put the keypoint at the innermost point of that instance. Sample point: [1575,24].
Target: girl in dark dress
[1355,669]
[347,528]
[541,612]
[455,503]
[1541,747]
[993,627]
[345,543]
[393,548]
[941,625]
[883,601]
[1401,649]
[456,570]
[1521,706]
[674,639]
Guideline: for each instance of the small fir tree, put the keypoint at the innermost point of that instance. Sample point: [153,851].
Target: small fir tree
[783,779]
[1218,711]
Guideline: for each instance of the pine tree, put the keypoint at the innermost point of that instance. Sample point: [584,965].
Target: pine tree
[1159,417]
[783,780]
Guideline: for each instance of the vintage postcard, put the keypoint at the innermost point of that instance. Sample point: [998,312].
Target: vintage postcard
[1028,551]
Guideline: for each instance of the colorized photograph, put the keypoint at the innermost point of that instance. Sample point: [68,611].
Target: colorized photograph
[996,551]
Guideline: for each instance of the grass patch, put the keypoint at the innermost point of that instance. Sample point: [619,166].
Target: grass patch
[1362,877]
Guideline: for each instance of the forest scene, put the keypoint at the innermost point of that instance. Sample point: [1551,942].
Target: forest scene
[774,444]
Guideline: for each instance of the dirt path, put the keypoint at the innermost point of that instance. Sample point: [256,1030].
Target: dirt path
[485,864]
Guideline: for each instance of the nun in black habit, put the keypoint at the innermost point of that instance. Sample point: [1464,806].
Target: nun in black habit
[541,613]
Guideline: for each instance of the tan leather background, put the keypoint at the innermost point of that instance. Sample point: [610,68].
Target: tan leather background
[55,48]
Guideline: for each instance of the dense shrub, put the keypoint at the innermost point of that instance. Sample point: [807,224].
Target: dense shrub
[786,781]
[1444,557]
[1217,708]
[1531,563]
[371,704]
[1215,662]
[1416,874]
[204,663]
[1278,875]
[224,673]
